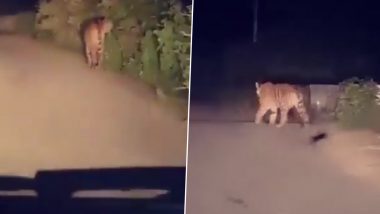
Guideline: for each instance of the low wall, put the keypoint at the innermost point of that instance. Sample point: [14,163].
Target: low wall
[323,100]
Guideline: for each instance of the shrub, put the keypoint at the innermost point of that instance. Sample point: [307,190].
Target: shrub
[174,38]
[357,107]
[149,59]
[25,23]
[113,54]
[132,21]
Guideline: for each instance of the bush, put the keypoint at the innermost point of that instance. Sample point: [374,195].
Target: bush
[132,21]
[149,59]
[61,20]
[19,23]
[113,54]
[150,39]
[357,107]
[174,38]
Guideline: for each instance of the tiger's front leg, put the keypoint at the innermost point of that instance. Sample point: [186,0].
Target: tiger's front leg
[260,114]
[99,56]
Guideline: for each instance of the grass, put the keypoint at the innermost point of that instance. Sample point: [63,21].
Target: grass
[357,108]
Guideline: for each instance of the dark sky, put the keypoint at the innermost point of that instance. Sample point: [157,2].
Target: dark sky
[301,41]
[232,20]
[15,6]
[217,20]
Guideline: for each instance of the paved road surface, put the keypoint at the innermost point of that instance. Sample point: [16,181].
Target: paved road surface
[244,168]
[56,113]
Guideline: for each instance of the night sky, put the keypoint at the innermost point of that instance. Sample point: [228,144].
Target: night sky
[16,6]
[298,42]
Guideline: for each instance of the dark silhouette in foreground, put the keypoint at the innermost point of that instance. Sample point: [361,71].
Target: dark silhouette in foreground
[55,190]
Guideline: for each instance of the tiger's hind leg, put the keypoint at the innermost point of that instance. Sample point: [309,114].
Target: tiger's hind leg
[94,59]
[273,116]
[100,57]
[96,62]
[89,56]
[99,48]
[284,117]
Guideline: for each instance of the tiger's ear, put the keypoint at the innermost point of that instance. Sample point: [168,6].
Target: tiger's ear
[257,88]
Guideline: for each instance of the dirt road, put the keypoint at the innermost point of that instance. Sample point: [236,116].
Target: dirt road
[58,114]
[246,168]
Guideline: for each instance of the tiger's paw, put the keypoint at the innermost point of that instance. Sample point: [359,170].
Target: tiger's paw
[279,125]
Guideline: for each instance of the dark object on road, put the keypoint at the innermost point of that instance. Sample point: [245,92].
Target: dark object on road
[318,137]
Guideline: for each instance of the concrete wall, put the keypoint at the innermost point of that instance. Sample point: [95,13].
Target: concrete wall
[323,100]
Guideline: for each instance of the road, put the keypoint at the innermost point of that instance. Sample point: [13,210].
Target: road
[246,168]
[56,113]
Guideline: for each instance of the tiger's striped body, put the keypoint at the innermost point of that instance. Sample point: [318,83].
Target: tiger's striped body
[279,96]
[94,35]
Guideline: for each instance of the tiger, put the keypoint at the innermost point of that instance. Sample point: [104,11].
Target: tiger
[93,36]
[279,96]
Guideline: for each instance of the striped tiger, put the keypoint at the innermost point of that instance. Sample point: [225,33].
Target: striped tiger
[279,96]
[94,35]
